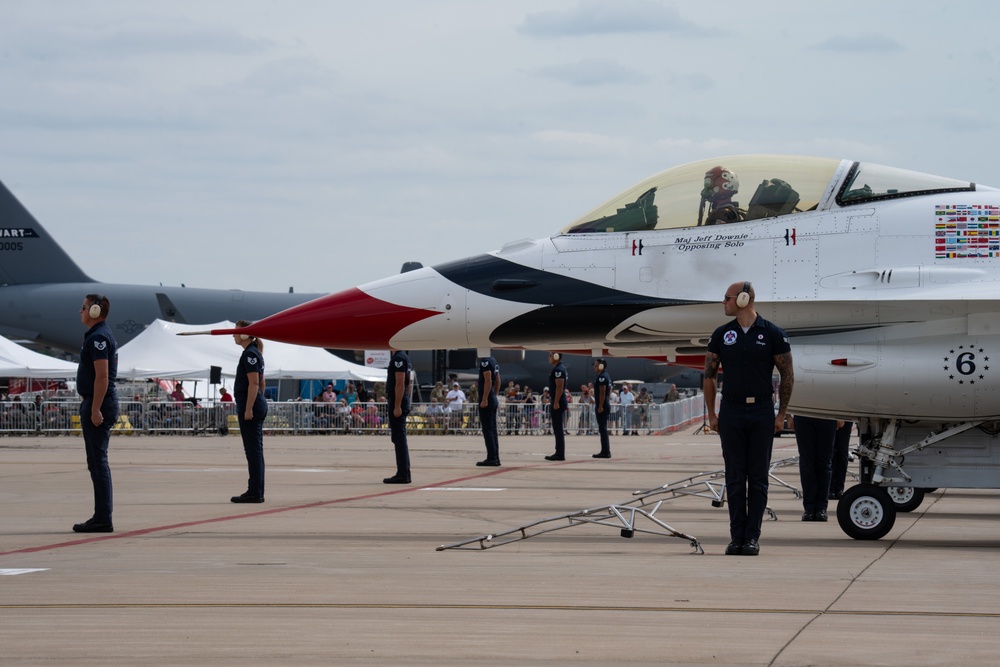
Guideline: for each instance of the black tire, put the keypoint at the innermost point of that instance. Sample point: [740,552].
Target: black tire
[905,498]
[866,512]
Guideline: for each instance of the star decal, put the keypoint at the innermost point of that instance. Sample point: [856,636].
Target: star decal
[966,364]
[130,326]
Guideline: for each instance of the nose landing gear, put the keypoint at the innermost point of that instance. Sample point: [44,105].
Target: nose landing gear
[866,512]
[905,498]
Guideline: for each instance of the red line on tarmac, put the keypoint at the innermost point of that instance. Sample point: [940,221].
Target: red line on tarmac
[276,510]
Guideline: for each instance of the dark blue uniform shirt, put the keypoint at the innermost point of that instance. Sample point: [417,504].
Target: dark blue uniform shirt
[559,373]
[748,358]
[603,380]
[251,361]
[489,366]
[98,343]
[398,363]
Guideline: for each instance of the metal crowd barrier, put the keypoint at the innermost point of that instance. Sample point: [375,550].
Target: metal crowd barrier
[308,418]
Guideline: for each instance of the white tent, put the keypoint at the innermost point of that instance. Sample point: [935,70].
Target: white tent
[20,362]
[158,352]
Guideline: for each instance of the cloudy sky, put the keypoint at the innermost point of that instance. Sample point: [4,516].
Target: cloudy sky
[259,144]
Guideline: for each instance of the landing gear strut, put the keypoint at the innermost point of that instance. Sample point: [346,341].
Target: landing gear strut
[900,461]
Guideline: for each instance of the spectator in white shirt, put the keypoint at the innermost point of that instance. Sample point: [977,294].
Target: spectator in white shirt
[627,400]
[455,399]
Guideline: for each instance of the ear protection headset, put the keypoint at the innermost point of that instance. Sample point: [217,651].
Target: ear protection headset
[743,298]
[601,365]
[243,323]
[556,356]
[95,308]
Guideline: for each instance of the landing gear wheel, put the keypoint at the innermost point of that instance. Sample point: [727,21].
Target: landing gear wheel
[905,498]
[866,512]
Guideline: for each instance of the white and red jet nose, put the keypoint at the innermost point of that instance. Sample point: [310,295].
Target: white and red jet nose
[350,319]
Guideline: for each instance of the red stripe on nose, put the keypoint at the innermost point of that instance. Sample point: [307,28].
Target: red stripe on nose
[350,319]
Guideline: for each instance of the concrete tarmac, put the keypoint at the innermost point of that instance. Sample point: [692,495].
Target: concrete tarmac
[338,569]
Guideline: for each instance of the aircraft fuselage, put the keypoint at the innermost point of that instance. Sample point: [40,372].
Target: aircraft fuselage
[878,291]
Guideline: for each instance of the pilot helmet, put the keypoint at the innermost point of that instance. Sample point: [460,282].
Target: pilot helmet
[721,183]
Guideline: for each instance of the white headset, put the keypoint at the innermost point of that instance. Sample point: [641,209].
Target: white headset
[556,356]
[95,308]
[743,298]
[600,364]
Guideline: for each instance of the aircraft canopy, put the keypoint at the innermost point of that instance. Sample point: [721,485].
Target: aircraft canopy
[752,187]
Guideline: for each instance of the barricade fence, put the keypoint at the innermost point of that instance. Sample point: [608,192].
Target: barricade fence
[307,418]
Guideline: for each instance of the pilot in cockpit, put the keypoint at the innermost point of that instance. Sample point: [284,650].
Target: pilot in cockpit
[721,184]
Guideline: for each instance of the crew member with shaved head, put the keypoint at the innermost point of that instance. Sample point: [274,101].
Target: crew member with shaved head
[747,349]
[95,381]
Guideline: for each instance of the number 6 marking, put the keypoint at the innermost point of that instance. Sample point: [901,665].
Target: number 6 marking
[964,363]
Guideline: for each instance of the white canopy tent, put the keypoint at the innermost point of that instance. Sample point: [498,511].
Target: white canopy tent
[20,362]
[158,352]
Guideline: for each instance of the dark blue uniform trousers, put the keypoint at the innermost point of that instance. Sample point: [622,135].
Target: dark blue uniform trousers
[557,429]
[815,438]
[602,430]
[841,457]
[397,433]
[252,433]
[747,433]
[488,422]
[96,439]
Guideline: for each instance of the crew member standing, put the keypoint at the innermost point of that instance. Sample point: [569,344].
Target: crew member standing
[397,389]
[95,380]
[815,439]
[488,386]
[602,406]
[558,380]
[748,349]
[841,457]
[251,410]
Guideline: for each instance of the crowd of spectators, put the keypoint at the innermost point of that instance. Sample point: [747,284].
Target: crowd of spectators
[447,407]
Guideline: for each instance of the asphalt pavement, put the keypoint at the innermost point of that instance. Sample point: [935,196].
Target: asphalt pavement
[336,568]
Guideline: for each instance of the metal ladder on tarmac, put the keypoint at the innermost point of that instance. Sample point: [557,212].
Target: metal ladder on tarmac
[707,485]
[623,515]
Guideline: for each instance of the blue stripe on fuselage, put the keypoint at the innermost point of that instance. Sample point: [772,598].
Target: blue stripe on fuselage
[569,309]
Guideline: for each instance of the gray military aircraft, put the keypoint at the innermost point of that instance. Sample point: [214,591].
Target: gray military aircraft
[41,288]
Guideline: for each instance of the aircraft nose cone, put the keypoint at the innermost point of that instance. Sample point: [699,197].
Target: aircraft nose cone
[350,319]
